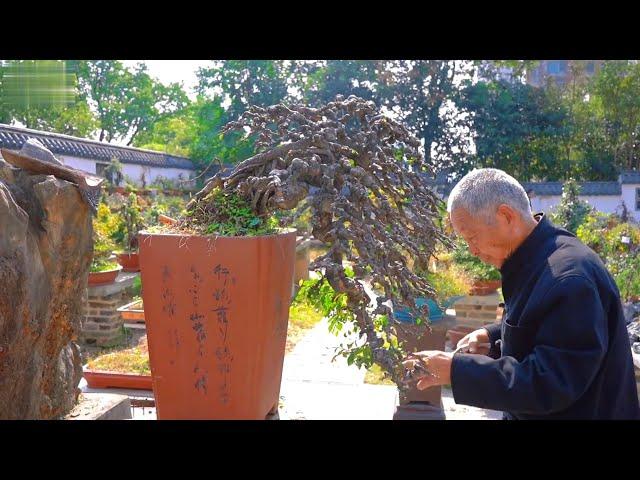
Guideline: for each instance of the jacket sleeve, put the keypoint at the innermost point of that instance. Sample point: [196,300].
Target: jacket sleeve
[568,349]
[495,335]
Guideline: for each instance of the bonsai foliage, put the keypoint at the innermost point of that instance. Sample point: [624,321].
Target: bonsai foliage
[363,173]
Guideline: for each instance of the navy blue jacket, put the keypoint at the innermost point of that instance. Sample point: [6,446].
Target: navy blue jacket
[562,349]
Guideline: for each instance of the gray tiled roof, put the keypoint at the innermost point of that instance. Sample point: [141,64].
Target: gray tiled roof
[586,188]
[13,138]
[630,177]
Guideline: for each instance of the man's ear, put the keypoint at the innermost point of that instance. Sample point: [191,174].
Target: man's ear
[507,213]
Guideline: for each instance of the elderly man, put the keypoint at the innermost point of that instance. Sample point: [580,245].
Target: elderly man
[562,350]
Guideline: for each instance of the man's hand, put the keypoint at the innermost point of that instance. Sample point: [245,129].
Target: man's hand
[438,365]
[473,341]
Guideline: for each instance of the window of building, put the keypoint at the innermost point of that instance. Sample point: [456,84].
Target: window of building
[556,67]
[100,169]
[591,67]
[637,198]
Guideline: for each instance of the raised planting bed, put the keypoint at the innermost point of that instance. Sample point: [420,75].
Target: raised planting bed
[121,369]
[132,312]
[100,379]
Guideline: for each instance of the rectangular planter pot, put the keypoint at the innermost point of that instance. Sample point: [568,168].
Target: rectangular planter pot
[101,379]
[217,312]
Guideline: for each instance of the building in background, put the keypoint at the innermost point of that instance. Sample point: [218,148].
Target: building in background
[562,72]
[139,166]
[606,197]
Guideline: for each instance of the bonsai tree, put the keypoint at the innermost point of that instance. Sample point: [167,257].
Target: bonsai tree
[363,174]
[133,222]
[103,245]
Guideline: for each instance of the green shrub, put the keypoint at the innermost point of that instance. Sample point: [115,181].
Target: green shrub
[571,211]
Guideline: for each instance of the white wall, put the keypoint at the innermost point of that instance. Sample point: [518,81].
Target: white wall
[629,197]
[602,203]
[133,171]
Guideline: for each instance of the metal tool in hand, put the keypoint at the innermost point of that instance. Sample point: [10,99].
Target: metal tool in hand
[465,348]
[420,369]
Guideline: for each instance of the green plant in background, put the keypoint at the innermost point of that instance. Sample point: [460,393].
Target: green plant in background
[625,269]
[472,265]
[170,206]
[104,225]
[113,172]
[571,211]
[133,222]
[604,234]
[449,282]
[590,232]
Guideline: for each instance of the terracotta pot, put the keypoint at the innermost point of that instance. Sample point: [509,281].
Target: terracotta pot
[485,287]
[101,379]
[217,312]
[104,278]
[130,261]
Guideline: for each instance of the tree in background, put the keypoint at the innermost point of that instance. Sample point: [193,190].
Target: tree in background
[126,103]
[517,128]
[571,211]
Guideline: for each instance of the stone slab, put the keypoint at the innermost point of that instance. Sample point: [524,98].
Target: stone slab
[101,406]
[123,281]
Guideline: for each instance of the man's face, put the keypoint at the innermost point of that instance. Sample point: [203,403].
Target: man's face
[489,242]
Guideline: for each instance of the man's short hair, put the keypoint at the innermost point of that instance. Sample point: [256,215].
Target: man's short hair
[481,191]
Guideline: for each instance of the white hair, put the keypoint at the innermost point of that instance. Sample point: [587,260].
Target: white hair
[481,191]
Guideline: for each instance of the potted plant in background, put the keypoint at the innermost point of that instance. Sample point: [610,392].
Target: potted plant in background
[486,279]
[133,222]
[104,268]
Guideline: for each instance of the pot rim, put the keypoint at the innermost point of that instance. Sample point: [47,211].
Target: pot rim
[107,271]
[91,371]
[287,232]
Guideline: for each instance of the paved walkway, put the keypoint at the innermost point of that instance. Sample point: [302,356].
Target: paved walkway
[315,388]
